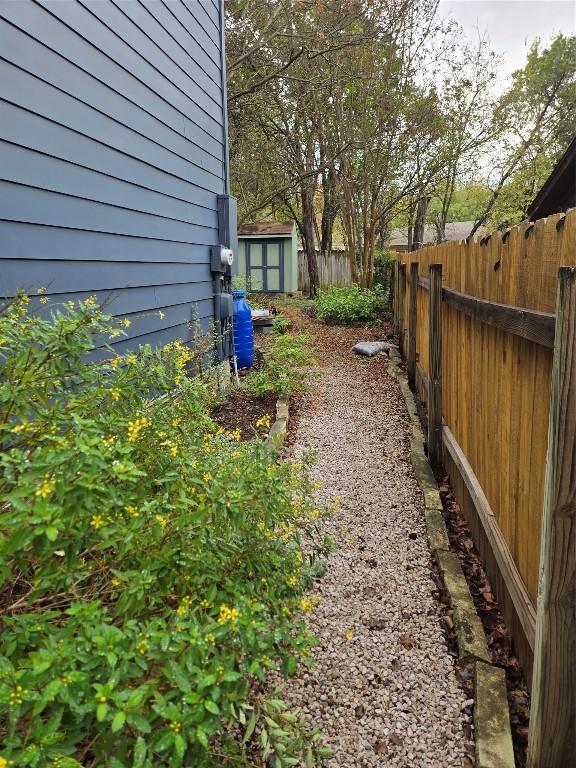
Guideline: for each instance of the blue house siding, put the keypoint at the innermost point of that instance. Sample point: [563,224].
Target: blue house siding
[113,155]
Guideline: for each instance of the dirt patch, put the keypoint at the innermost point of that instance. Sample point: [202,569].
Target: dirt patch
[241,410]
[500,644]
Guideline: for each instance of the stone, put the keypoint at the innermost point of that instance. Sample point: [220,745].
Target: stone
[469,629]
[371,348]
[492,718]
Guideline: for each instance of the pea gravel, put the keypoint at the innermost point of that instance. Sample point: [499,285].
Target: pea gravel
[383,689]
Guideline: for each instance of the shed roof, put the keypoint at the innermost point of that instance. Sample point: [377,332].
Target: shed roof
[455,230]
[272,228]
[559,190]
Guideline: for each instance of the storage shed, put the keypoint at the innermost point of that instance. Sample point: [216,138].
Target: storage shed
[268,256]
[113,158]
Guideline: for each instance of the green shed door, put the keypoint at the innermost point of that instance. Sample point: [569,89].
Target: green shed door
[265,265]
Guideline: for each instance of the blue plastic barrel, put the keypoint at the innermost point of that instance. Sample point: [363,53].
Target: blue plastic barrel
[243,331]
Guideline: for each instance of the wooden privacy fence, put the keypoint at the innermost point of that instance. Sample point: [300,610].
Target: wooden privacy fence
[496,367]
[333,269]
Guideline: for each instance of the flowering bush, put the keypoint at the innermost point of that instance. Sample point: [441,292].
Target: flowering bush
[344,305]
[150,564]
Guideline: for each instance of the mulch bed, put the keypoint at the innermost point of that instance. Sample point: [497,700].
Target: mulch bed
[500,642]
[241,410]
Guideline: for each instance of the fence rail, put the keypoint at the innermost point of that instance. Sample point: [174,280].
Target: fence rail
[333,269]
[480,353]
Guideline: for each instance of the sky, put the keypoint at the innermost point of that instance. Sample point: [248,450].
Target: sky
[512,25]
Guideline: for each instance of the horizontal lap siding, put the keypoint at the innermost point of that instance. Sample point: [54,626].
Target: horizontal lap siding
[112,156]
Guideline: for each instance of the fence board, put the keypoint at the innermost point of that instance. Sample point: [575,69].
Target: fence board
[496,383]
[333,269]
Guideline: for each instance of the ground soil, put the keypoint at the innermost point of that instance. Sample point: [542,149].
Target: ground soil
[241,410]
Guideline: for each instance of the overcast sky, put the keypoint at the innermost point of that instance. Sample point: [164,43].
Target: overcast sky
[512,25]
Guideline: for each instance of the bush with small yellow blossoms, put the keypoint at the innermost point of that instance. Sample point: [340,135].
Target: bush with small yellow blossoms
[151,565]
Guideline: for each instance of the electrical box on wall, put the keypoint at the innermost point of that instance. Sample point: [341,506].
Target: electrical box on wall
[228,225]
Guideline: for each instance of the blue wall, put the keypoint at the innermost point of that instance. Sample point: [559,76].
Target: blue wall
[112,155]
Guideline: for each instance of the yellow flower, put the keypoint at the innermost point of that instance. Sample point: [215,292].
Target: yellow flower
[163,520]
[263,421]
[207,477]
[132,510]
[90,301]
[131,359]
[349,634]
[135,426]
[176,421]
[43,299]
[161,315]
[235,435]
[115,582]
[47,486]
[115,361]
[308,604]
[175,726]
[210,639]
[227,614]
[292,581]
[115,394]
[142,646]
[102,699]
[125,322]
[41,290]
[97,521]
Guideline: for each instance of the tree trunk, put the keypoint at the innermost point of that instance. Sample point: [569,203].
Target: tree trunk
[329,211]
[307,196]
[420,220]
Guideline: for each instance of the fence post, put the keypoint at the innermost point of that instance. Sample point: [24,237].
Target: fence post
[552,737]
[435,365]
[401,300]
[396,284]
[412,320]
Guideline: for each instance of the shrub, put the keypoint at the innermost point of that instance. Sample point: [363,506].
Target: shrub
[281,325]
[283,370]
[349,304]
[150,564]
[383,271]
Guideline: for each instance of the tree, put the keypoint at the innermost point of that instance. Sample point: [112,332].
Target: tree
[537,120]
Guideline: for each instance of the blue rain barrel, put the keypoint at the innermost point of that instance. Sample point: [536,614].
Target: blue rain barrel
[243,331]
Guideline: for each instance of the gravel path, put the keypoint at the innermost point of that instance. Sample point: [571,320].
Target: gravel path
[383,689]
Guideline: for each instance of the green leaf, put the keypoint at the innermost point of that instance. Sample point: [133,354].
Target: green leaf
[250,727]
[51,533]
[309,758]
[118,721]
[179,745]
[101,712]
[139,752]
[202,737]
[211,706]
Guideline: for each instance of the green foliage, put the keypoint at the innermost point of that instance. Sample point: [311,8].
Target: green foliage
[350,304]
[284,366]
[383,271]
[150,564]
[281,325]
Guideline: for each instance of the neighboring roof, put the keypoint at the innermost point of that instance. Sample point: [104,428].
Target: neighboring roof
[267,228]
[455,230]
[559,190]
